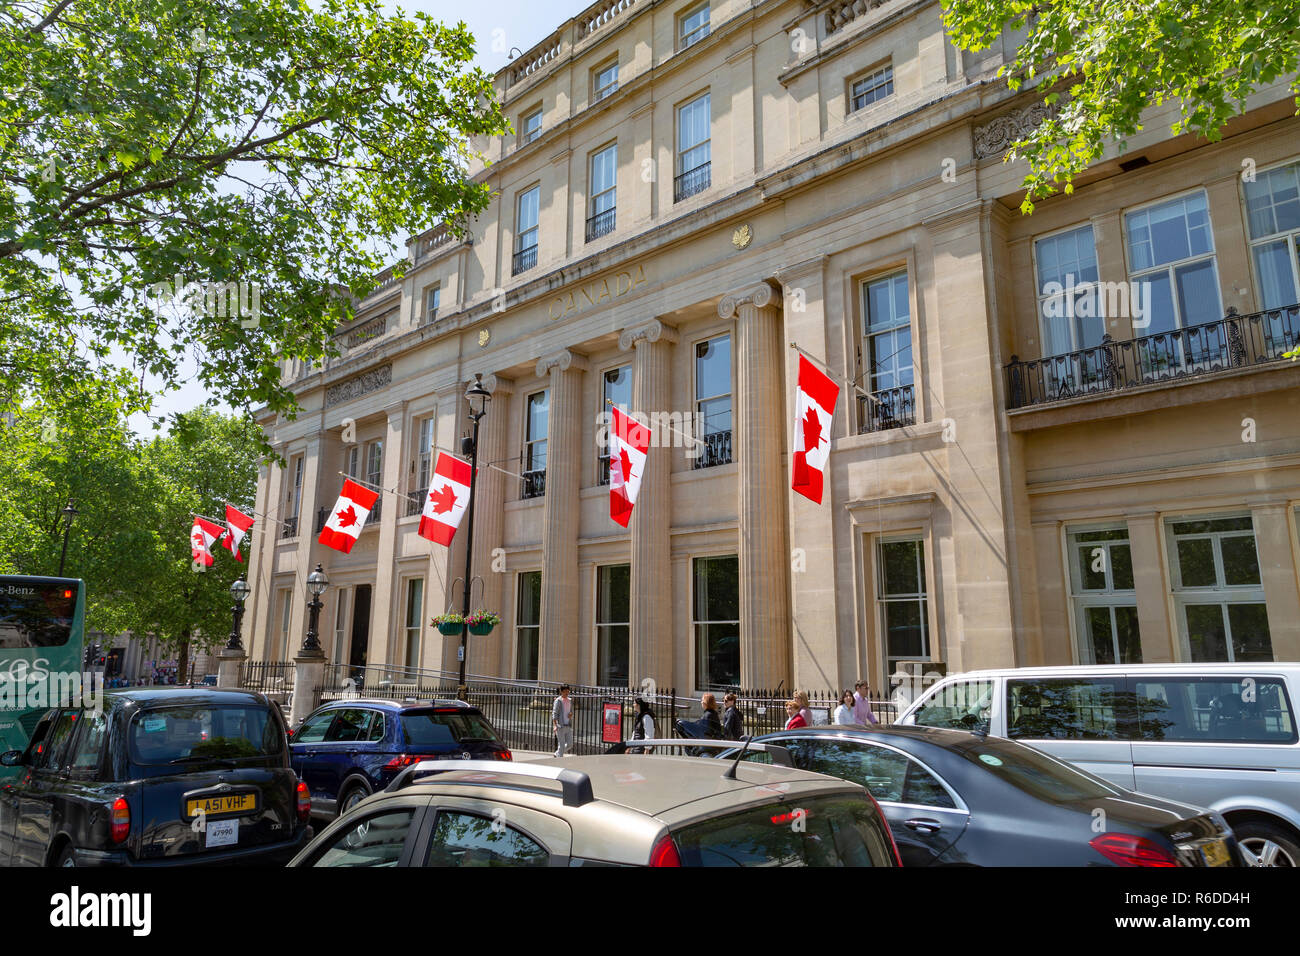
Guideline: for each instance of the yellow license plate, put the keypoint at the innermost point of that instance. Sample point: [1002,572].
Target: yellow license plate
[236,803]
[1215,854]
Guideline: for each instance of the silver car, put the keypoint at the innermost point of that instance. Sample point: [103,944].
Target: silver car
[1222,736]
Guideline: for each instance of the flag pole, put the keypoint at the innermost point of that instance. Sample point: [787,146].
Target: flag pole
[834,374]
[378,488]
[689,438]
[489,464]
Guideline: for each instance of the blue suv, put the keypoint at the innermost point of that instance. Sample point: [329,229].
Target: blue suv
[348,749]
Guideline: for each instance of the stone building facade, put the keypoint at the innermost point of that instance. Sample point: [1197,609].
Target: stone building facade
[1028,464]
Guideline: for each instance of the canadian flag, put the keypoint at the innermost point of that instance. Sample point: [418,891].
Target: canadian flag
[237,525]
[629,445]
[447,499]
[349,514]
[814,406]
[202,534]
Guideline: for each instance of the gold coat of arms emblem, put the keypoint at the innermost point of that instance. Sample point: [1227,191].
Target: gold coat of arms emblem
[742,237]
[484,337]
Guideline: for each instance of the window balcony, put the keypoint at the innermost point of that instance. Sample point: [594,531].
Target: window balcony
[692,181]
[534,484]
[601,224]
[715,451]
[887,409]
[322,516]
[602,471]
[1232,342]
[414,503]
[289,529]
[524,260]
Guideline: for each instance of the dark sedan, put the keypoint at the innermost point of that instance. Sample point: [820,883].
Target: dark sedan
[348,749]
[965,799]
[156,776]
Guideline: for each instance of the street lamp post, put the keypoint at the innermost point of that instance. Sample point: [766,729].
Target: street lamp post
[317,582]
[477,396]
[239,591]
[69,512]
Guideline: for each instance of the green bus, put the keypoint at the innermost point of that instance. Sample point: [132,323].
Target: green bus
[42,623]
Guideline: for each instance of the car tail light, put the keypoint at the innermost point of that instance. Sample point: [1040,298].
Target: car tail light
[402,761]
[665,853]
[304,801]
[1124,849]
[120,820]
[504,755]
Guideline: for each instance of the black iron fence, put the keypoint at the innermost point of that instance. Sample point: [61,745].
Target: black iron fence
[715,450]
[267,677]
[692,181]
[888,408]
[1234,341]
[601,224]
[524,260]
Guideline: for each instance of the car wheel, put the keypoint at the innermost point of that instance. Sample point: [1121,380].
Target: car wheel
[1263,844]
[351,797]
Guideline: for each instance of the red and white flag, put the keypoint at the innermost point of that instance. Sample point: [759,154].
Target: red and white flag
[349,514]
[202,534]
[814,406]
[237,525]
[629,445]
[447,499]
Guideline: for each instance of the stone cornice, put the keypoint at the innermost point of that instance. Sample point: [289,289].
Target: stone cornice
[759,295]
[564,360]
[798,270]
[651,332]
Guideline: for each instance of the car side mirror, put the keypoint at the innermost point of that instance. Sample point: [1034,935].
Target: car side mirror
[11,758]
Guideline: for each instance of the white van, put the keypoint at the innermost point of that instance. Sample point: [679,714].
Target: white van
[1215,735]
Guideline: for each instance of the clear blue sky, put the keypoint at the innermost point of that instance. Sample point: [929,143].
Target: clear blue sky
[497,26]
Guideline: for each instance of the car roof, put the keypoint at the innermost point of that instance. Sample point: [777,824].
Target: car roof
[163,694]
[656,788]
[939,736]
[387,703]
[1089,670]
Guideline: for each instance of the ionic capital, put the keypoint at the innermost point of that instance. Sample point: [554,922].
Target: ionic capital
[651,332]
[563,360]
[757,295]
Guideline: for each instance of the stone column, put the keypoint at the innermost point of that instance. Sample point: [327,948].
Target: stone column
[308,675]
[380,647]
[1155,629]
[228,664]
[306,541]
[485,655]
[261,561]
[650,653]
[759,443]
[558,654]
[1277,574]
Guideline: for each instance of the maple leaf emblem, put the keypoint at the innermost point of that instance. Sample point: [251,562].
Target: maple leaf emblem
[443,499]
[347,517]
[625,463]
[812,430]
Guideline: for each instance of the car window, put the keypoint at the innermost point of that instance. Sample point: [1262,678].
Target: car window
[880,770]
[377,726]
[376,840]
[923,789]
[1034,772]
[53,754]
[313,729]
[90,745]
[1215,710]
[960,705]
[840,830]
[467,839]
[349,725]
[167,735]
[1084,708]
[431,728]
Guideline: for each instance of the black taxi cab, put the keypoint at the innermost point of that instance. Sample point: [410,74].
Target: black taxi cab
[155,776]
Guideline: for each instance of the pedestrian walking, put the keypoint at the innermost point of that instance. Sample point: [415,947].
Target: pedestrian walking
[862,704]
[733,724]
[795,720]
[643,726]
[844,715]
[562,721]
[712,723]
[801,697]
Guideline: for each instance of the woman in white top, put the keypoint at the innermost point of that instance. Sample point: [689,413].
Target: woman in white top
[844,715]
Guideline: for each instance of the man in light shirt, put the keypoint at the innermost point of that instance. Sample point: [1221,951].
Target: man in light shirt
[862,704]
[562,721]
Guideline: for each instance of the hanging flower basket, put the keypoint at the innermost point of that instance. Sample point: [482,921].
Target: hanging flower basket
[450,623]
[482,622]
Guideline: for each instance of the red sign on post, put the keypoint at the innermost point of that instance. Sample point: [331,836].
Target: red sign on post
[611,729]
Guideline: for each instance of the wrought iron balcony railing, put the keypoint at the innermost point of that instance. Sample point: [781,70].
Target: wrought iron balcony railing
[289,529]
[524,260]
[886,409]
[414,502]
[1234,341]
[534,485]
[601,224]
[322,515]
[602,470]
[716,451]
[692,181]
